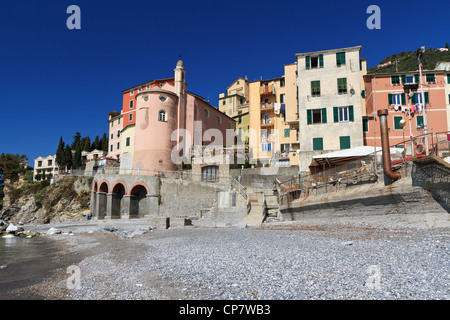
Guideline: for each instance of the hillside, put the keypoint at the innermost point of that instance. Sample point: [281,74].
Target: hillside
[26,201]
[407,61]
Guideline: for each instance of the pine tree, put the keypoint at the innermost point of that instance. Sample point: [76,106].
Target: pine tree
[104,142]
[60,156]
[87,144]
[95,144]
[67,157]
[76,140]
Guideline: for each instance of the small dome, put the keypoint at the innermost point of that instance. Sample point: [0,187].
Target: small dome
[180,64]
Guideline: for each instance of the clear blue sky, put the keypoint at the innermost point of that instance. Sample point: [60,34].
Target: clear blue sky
[55,81]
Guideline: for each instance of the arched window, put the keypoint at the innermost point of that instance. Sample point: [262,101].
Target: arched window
[219,120]
[162,116]
[206,113]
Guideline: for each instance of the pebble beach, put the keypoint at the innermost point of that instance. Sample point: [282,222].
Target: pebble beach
[313,259]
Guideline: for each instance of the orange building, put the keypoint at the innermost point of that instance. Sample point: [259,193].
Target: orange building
[400,93]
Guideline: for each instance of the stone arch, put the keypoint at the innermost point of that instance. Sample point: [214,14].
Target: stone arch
[118,192]
[123,183]
[139,183]
[138,200]
[104,186]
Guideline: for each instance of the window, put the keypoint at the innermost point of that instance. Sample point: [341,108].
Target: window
[315,88]
[419,121]
[127,143]
[223,102]
[281,83]
[340,58]
[408,79]
[342,85]
[148,86]
[363,93]
[344,142]
[316,116]
[287,133]
[266,147]
[282,98]
[365,125]
[206,113]
[448,78]
[343,114]
[118,145]
[112,136]
[397,99]
[317,144]
[431,78]
[239,119]
[162,116]
[395,80]
[39,163]
[219,120]
[131,117]
[313,62]
[397,125]
[162,98]
[140,89]
[118,133]
[417,98]
[111,148]
[449,99]
[118,121]
[131,92]
[285,147]
[131,104]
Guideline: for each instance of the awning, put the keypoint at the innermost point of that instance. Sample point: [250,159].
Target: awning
[343,156]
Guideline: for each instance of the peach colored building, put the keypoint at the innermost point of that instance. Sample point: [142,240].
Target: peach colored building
[400,94]
[114,138]
[166,117]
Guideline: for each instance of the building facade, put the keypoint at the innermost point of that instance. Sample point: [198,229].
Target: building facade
[115,131]
[400,93]
[330,101]
[45,166]
[161,123]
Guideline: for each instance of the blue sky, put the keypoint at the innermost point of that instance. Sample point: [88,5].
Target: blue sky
[55,81]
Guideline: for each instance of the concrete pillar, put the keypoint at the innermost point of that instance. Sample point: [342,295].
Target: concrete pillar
[109,197]
[126,207]
[98,205]
[152,206]
[93,203]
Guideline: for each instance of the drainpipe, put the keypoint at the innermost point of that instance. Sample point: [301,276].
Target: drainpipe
[382,114]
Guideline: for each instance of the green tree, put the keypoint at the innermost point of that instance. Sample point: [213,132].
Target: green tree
[96,144]
[76,141]
[60,155]
[68,157]
[10,166]
[104,142]
[86,144]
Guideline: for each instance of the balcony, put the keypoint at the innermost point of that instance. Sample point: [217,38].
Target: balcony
[267,89]
[266,123]
[267,106]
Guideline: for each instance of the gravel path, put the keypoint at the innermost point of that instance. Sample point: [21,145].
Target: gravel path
[280,261]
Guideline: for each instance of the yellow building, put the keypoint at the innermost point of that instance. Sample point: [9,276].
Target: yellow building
[272,112]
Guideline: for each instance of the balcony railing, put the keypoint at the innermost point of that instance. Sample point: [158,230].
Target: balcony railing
[266,122]
[267,105]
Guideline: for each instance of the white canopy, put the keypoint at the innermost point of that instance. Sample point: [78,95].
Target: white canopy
[342,156]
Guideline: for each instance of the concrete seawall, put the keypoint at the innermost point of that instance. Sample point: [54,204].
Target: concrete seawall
[416,193]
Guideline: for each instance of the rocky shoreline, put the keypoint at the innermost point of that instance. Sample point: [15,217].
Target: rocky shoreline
[310,259]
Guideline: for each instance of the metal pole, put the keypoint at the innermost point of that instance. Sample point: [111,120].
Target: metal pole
[374,126]
[423,101]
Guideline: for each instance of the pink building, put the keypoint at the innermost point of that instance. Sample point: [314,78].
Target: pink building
[162,112]
[400,93]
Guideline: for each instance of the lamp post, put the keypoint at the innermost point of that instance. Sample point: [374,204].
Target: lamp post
[419,53]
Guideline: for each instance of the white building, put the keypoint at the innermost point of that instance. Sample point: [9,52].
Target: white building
[330,90]
[45,165]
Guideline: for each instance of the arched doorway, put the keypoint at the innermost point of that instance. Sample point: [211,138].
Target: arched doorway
[138,201]
[101,199]
[118,192]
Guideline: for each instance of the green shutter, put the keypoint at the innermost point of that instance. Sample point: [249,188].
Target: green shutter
[340,58]
[345,142]
[282,147]
[403,99]
[324,115]
[417,78]
[397,125]
[365,125]
[427,97]
[317,144]
[309,116]
[287,133]
[308,62]
[336,114]
[390,98]
[448,78]
[320,60]
[413,99]
[403,79]
[363,94]
[351,116]
[419,120]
